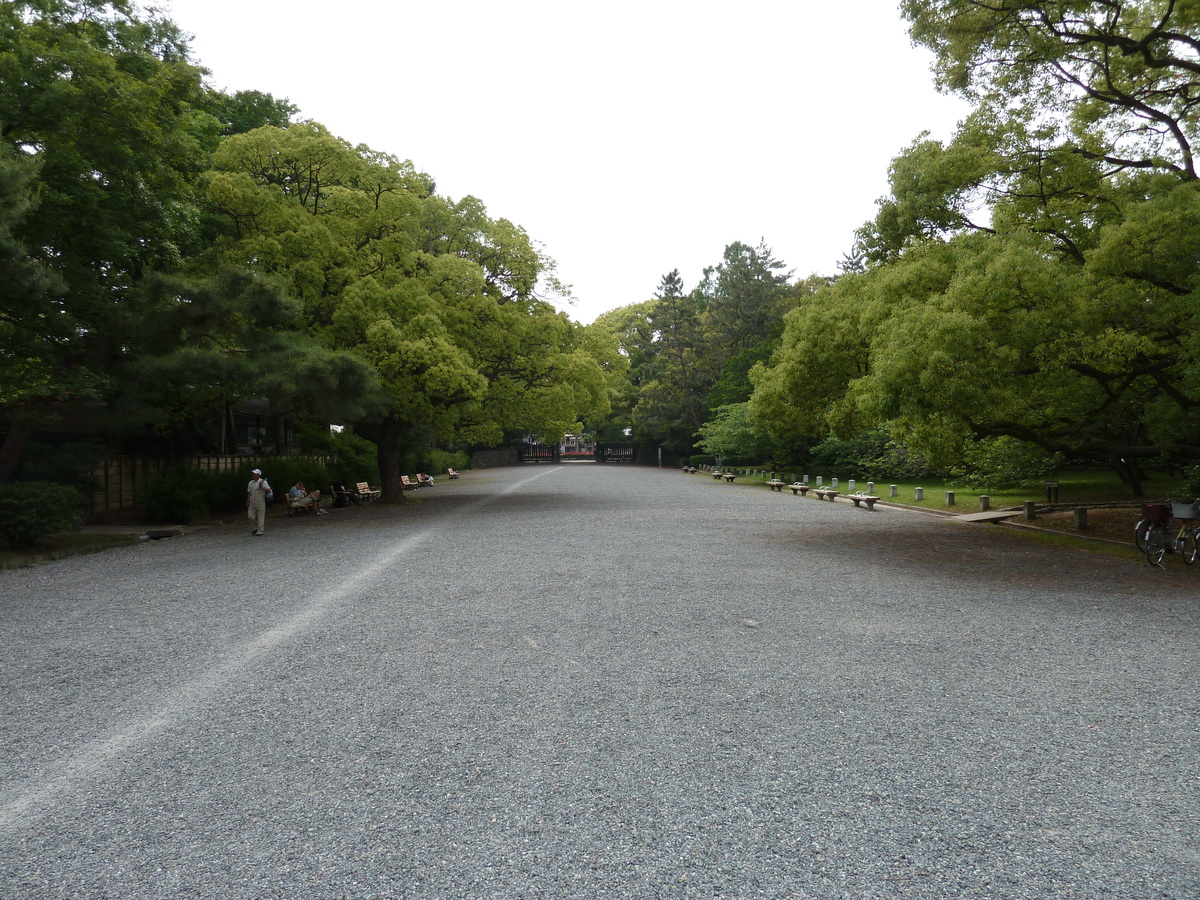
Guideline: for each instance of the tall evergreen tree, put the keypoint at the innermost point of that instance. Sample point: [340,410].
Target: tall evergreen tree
[105,109]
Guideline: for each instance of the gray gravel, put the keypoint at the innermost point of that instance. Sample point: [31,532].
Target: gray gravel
[600,682]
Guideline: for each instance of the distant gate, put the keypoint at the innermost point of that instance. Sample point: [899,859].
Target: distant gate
[551,453]
[539,453]
[614,453]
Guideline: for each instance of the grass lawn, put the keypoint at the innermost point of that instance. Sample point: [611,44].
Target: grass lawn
[1087,487]
[1112,512]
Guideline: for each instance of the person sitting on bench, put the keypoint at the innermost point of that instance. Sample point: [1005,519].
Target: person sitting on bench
[341,496]
[301,497]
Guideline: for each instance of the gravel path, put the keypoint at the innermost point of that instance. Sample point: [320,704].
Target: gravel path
[600,682]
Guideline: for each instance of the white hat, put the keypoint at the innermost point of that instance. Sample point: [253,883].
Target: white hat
[256,471]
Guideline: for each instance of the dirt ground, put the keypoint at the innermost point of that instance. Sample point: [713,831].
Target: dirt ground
[1114,524]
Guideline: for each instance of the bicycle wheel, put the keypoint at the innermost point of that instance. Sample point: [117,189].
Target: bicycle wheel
[1188,548]
[1139,534]
[1157,541]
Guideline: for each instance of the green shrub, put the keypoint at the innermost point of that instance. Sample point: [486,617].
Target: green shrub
[226,491]
[1188,488]
[176,496]
[33,509]
[349,455]
[70,462]
[441,460]
[874,457]
[1003,463]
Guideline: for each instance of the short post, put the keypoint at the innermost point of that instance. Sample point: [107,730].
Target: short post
[1081,518]
[919,493]
[1030,510]
[870,487]
[849,485]
[1051,491]
[833,483]
[985,502]
[820,480]
[804,480]
[949,498]
[895,491]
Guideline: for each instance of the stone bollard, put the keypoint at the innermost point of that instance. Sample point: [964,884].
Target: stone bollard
[849,485]
[1030,510]
[895,491]
[820,480]
[833,483]
[949,498]
[804,480]
[1081,518]
[919,493]
[870,487]
[985,502]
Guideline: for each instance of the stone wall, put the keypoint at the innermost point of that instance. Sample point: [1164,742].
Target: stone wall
[495,459]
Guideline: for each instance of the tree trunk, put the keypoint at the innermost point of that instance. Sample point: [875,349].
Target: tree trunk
[387,452]
[1128,471]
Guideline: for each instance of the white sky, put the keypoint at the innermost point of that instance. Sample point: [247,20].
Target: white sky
[629,139]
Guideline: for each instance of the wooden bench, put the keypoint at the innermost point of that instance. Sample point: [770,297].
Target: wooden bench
[364,491]
[863,498]
[297,506]
[775,485]
[450,473]
[798,488]
[825,494]
[407,483]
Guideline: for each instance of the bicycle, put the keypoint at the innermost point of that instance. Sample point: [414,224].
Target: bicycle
[1158,539]
[1151,513]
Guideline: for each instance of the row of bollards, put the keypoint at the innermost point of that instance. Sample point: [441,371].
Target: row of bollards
[985,502]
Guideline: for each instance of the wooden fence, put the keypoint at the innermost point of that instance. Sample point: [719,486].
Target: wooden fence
[121,481]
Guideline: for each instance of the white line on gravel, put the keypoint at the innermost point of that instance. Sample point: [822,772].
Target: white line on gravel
[28,802]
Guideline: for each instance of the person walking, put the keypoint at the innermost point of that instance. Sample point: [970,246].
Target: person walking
[257,492]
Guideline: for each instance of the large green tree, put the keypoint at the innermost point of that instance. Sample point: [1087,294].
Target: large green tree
[672,393]
[102,141]
[745,295]
[205,343]
[1035,277]
[436,296]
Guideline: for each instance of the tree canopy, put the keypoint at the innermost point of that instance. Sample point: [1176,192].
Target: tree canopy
[168,250]
[1035,277]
